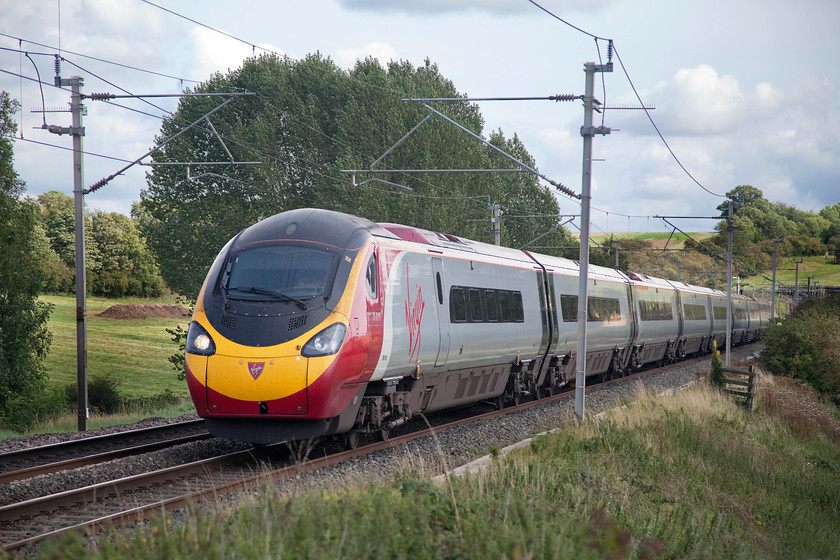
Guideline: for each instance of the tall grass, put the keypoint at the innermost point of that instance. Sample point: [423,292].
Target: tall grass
[692,476]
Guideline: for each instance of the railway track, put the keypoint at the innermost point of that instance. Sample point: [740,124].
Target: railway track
[46,459]
[132,499]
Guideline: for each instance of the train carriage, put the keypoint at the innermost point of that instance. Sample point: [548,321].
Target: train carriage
[658,331]
[475,299]
[740,319]
[610,323]
[696,319]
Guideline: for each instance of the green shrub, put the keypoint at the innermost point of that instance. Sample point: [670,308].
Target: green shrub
[806,345]
[103,393]
[179,337]
[716,375]
[24,409]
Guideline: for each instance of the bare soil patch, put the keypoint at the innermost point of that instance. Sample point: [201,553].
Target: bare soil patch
[145,310]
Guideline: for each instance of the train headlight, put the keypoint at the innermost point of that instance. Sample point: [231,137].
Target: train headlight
[199,341]
[326,342]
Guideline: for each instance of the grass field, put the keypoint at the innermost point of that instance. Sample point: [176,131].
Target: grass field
[135,352]
[676,240]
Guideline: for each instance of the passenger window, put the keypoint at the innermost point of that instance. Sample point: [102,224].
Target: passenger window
[505,305]
[518,309]
[457,305]
[372,278]
[476,309]
[492,305]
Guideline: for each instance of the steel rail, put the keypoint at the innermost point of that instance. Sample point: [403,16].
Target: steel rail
[67,464]
[71,445]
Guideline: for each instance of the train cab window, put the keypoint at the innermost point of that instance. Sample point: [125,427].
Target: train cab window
[295,271]
[492,305]
[372,278]
[457,305]
[476,309]
[439,288]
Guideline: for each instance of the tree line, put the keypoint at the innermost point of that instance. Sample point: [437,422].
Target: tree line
[757,223]
[117,258]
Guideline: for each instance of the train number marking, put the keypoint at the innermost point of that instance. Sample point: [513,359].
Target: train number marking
[256,369]
[413,317]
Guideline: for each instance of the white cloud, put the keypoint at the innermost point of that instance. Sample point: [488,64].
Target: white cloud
[217,53]
[125,15]
[559,139]
[703,101]
[453,6]
[383,52]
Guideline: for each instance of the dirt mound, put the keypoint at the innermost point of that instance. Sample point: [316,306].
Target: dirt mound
[144,310]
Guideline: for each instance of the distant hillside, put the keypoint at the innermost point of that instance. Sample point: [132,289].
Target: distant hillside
[658,240]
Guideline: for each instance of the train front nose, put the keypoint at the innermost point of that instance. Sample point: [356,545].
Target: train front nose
[239,381]
[257,385]
[235,380]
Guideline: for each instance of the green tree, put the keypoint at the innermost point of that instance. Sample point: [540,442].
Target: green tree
[24,338]
[126,266]
[757,222]
[308,121]
[118,260]
[59,224]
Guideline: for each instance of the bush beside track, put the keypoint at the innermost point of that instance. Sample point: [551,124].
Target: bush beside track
[806,345]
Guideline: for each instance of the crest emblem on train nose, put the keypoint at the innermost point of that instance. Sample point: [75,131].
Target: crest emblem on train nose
[256,369]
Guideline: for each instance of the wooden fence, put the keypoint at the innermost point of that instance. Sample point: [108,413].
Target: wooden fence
[740,383]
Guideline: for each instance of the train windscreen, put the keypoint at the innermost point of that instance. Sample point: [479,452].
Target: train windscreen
[281,270]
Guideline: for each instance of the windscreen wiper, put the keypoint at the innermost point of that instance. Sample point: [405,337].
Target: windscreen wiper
[270,292]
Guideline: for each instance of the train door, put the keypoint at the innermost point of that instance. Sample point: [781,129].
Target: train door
[373,308]
[441,312]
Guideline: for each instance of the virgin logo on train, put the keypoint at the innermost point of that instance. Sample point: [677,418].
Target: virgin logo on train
[256,369]
[413,317]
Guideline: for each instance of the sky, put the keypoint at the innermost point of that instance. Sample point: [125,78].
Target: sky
[743,92]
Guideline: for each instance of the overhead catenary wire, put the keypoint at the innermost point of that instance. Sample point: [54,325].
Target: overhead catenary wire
[219,31]
[103,60]
[659,132]
[40,82]
[254,46]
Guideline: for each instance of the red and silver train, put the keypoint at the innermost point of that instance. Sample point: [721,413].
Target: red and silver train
[314,323]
